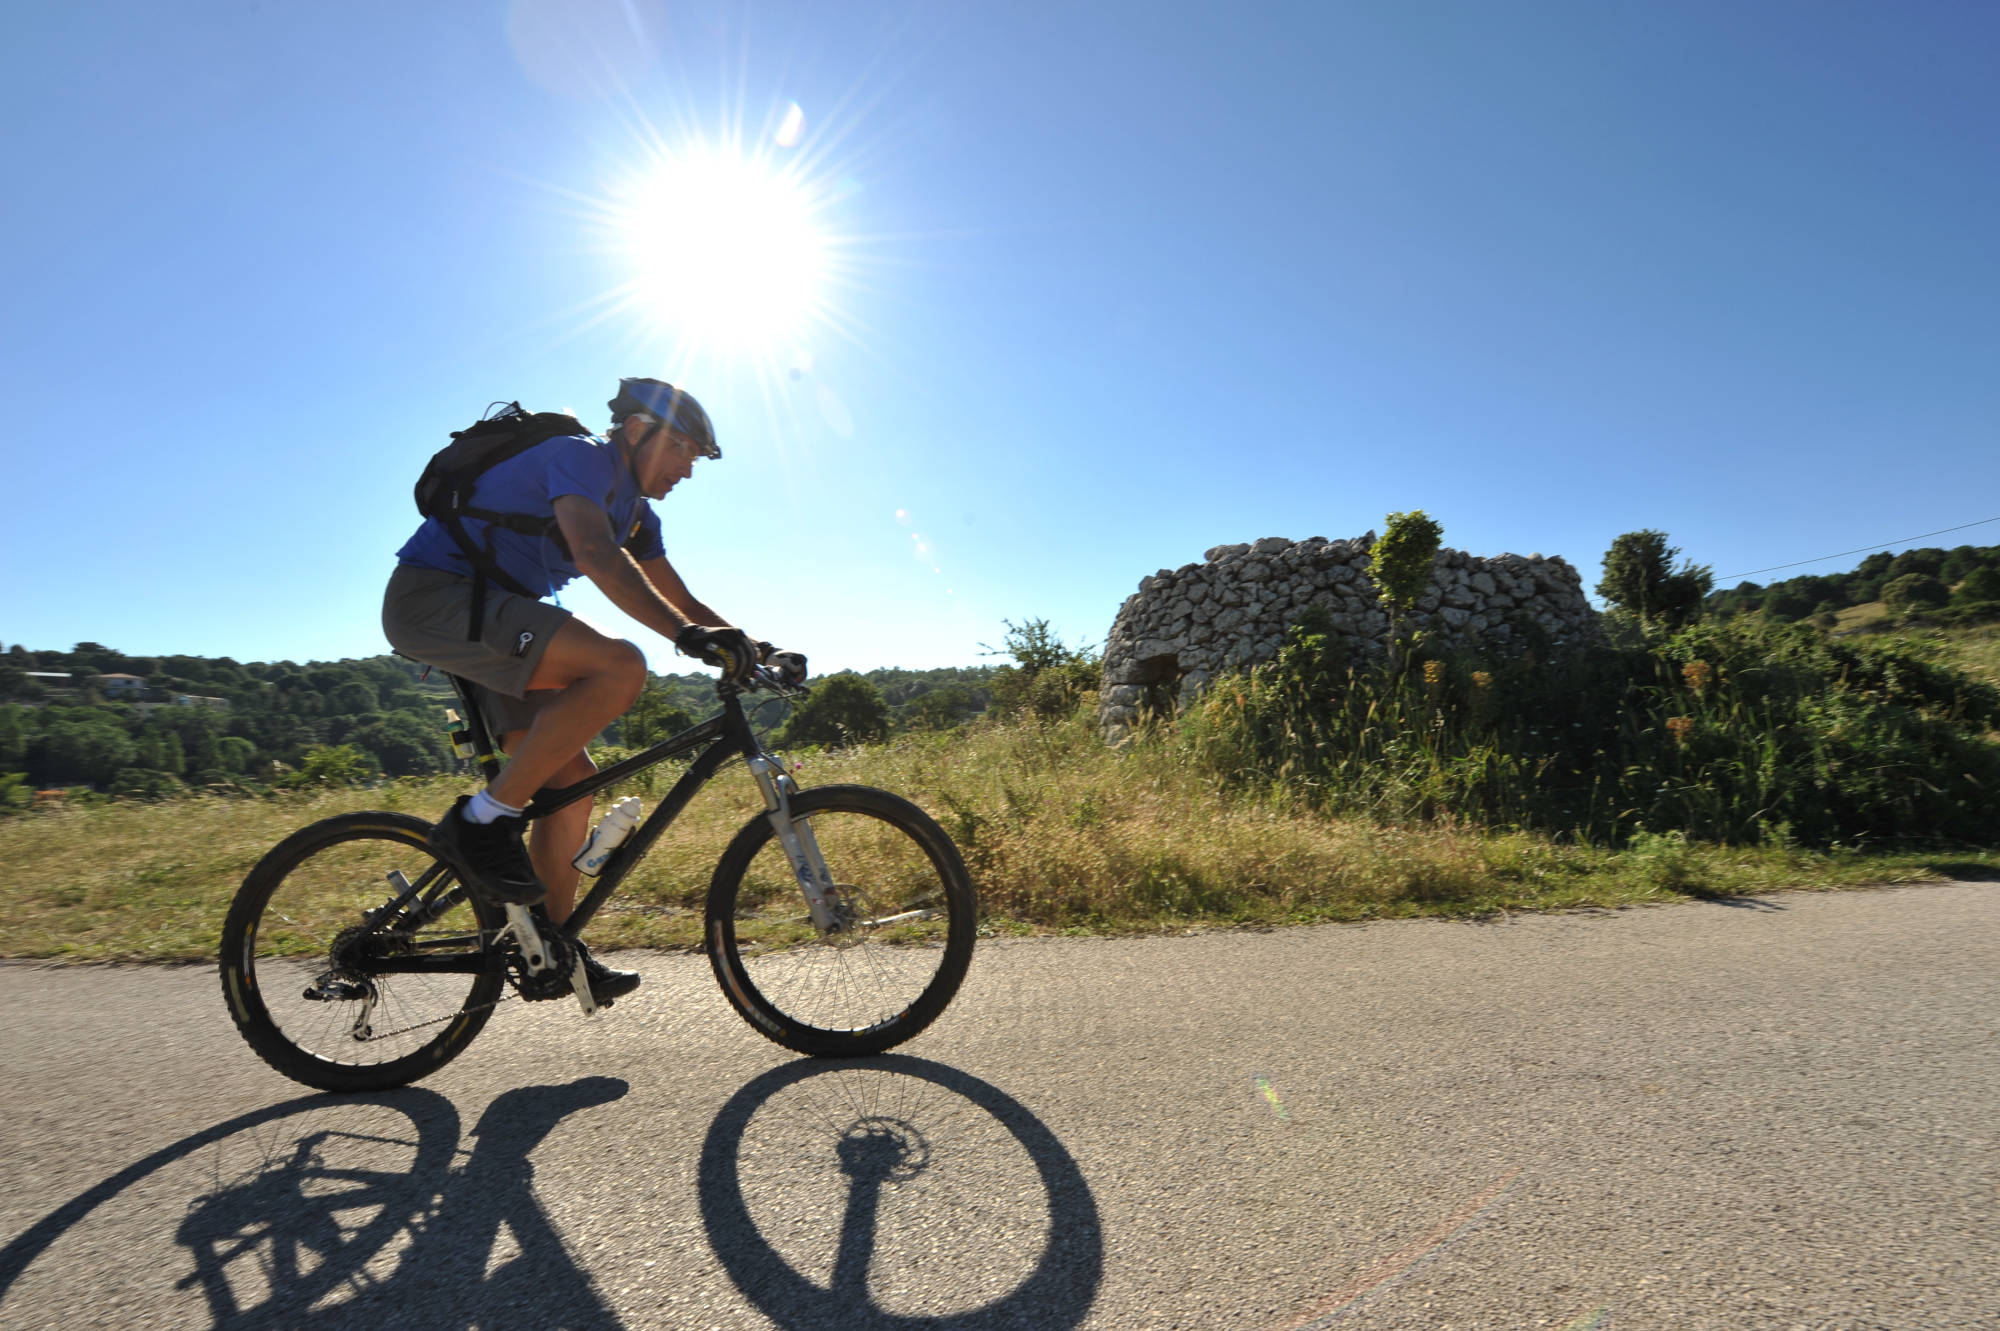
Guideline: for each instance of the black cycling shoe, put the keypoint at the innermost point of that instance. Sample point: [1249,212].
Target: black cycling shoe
[605,983]
[498,871]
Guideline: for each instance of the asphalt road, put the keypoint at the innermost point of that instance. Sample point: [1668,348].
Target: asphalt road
[1770,1114]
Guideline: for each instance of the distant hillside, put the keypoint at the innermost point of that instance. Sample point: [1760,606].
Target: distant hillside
[1960,585]
[152,725]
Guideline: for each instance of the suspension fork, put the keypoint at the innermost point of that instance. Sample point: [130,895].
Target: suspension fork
[795,837]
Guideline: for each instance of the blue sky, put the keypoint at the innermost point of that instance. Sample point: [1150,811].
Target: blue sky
[1098,287]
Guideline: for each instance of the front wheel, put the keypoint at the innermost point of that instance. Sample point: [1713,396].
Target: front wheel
[907,910]
[352,958]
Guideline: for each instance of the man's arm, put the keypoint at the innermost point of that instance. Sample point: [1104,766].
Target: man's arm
[676,594]
[598,557]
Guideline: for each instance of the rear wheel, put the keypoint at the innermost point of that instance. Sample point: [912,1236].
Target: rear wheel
[908,915]
[319,946]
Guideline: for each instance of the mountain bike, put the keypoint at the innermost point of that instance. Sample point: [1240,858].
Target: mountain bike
[839,922]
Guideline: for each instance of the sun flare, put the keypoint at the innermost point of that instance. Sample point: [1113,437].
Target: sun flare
[724,251]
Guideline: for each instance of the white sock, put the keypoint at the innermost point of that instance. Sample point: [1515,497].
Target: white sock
[483,808]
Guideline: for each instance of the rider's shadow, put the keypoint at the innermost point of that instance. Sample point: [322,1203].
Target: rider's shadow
[894,1193]
[321,1235]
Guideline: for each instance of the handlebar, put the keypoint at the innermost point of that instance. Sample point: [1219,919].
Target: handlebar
[763,679]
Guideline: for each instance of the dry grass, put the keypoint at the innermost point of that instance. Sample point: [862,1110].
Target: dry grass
[1062,835]
[1976,651]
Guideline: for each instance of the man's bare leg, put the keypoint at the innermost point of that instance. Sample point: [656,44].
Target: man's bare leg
[598,678]
[554,840]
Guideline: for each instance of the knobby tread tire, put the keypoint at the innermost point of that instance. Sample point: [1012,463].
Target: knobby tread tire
[772,1021]
[242,993]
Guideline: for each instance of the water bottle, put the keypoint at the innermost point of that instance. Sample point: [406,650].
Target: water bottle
[608,835]
[455,730]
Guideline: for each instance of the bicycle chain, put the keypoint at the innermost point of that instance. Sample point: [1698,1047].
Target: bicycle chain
[505,995]
[508,996]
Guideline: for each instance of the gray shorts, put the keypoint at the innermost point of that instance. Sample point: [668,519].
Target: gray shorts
[424,616]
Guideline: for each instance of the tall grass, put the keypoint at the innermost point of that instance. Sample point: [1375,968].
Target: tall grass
[1061,834]
[1735,732]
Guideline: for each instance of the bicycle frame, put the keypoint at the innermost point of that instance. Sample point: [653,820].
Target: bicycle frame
[726,735]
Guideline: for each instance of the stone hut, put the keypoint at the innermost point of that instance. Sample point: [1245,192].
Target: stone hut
[1186,625]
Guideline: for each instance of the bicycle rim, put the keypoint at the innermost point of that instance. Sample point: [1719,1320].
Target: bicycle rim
[908,913]
[300,957]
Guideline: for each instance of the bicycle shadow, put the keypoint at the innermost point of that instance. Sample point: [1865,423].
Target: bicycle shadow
[883,1130]
[333,1226]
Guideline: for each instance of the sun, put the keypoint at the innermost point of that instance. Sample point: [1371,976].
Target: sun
[723,250]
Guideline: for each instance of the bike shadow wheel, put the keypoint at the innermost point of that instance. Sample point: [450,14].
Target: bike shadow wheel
[872,1149]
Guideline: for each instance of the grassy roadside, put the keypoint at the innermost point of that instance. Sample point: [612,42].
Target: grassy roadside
[1062,835]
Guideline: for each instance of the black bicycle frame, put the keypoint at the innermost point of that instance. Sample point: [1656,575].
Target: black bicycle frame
[727,735]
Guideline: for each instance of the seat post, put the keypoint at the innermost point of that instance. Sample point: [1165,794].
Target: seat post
[475,726]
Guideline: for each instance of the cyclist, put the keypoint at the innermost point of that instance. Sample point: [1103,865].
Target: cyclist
[546,681]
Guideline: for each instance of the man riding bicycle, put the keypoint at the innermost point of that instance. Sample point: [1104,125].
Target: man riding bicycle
[546,681]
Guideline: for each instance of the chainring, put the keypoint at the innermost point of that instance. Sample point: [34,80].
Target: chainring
[551,983]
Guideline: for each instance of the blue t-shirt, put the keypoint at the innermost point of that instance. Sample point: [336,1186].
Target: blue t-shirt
[530,482]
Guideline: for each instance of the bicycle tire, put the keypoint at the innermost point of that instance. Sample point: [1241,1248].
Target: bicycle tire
[284,927]
[873,985]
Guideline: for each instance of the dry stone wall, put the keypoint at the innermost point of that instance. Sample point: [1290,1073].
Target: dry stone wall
[1184,626]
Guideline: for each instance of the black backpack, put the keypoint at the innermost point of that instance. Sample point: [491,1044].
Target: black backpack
[444,491]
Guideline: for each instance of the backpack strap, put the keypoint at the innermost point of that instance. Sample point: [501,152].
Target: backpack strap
[485,568]
[447,482]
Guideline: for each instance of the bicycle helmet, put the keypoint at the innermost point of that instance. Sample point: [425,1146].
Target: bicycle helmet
[675,409]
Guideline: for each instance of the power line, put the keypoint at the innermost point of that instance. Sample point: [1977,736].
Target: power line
[1866,549]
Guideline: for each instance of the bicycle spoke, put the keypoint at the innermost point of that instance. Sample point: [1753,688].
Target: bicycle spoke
[311,952]
[860,983]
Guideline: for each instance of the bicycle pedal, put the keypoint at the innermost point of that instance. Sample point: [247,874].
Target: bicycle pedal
[580,982]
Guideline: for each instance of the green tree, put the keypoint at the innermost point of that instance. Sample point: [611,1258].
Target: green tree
[841,709]
[1400,563]
[1048,678]
[654,717]
[1914,591]
[941,708]
[1788,606]
[14,683]
[352,698]
[1959,561]
[1034,645]
[403,745]
[1928,560]
[1982,584]
[13,739]
[1641,580]
[233,754]
[72,752]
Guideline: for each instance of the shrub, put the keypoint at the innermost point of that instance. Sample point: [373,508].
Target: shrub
[1047,680]
[653,717]
[841,709]
[1982,584]
[332,765]
[141,783]
[1913,591]
[1927,561]
[1721,732]
[1788,606]
[1640,579]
